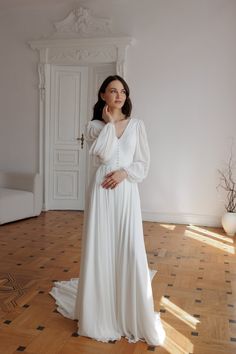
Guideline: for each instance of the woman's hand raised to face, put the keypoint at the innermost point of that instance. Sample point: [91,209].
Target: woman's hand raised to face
[112,179]
[106,115]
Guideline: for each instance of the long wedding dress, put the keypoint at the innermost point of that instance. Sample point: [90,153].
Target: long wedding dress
[113,295]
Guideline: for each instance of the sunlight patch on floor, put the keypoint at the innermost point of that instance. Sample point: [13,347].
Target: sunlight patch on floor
[209,241]
[169,227]
[176,342]
[210,233]
[179,313]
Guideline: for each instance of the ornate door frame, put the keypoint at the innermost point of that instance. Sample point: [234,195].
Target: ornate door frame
[79,39]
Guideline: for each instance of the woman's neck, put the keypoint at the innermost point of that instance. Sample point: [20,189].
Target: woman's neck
[117,114]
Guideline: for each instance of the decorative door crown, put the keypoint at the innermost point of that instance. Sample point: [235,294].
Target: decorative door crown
[83,39]
[81,22]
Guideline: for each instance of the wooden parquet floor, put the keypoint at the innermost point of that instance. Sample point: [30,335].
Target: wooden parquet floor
[194,288]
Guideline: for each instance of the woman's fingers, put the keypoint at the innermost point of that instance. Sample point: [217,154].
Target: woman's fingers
[109,174]
[109,183]
[112,179]
[105,109]
[106,114]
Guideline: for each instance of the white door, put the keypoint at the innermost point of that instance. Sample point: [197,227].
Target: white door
[72,96]
[68,115]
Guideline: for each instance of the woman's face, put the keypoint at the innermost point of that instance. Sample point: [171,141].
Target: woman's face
[115,95]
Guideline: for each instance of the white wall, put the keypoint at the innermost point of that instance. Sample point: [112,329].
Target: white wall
[182,75]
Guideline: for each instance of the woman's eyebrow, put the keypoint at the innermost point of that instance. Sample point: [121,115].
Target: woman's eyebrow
[113,88]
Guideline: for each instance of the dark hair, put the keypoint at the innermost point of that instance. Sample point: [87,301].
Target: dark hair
[98,107]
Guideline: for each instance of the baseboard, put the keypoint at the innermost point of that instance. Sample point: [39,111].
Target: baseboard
[180,218]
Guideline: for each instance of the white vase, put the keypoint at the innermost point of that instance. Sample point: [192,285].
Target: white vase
[229,223]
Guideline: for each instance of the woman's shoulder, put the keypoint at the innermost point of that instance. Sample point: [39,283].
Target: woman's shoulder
[93,128]
[96,123]
[139,123]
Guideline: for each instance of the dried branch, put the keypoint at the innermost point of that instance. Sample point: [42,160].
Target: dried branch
[227,182]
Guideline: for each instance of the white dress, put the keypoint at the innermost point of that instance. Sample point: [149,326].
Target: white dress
[113,295]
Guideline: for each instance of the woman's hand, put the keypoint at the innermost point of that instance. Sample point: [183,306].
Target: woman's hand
[112,179]
[106,114]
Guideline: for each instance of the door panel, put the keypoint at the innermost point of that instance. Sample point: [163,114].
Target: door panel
[72,97]
[69,92]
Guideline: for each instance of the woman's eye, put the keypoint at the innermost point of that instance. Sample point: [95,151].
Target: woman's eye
[115,91]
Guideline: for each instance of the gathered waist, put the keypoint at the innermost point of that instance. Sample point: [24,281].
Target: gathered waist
[111,166]
[104,169]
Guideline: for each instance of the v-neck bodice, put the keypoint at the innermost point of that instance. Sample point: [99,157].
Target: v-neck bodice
[124,130]
[109,153]
[119,151]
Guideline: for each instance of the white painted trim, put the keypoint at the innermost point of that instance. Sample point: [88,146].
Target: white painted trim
[45,138]
[83,51]
[77,51]
[181,218]
[80,21]
[80,42]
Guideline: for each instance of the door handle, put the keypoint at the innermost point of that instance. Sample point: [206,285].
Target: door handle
[82,140]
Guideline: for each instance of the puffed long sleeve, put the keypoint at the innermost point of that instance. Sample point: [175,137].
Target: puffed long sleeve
[138,170]
[101,139]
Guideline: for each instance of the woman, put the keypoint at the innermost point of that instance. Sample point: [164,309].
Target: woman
[114,297]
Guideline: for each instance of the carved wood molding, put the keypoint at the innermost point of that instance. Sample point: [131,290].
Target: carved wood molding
[83,39]
[83,55]
[83,51]
[82,22]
